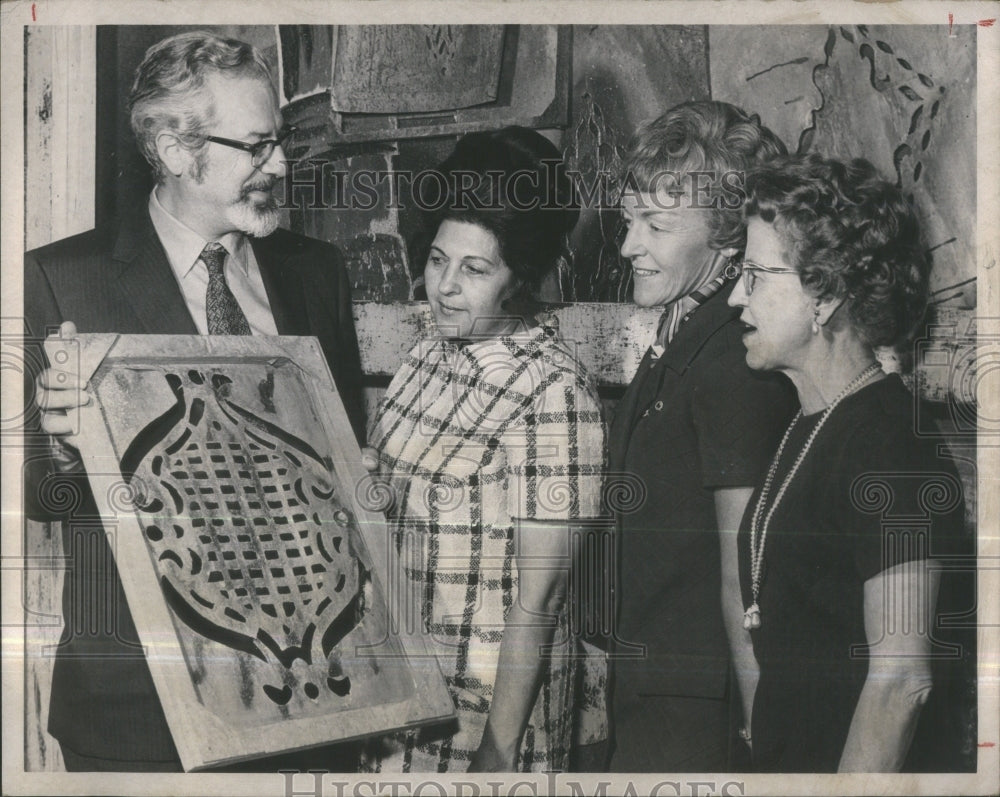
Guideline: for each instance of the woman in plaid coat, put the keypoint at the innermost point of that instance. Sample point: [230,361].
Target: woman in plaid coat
[492,440]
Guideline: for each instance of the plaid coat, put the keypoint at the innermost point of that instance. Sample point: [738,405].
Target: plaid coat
[470,438]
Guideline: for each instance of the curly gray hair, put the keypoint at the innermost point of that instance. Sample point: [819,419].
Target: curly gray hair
[168,82]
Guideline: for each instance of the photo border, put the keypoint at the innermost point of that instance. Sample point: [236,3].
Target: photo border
[14,16]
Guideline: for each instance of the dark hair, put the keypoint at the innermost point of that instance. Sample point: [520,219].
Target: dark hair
[852,235]
[513,184]
[708,138]
[168,83]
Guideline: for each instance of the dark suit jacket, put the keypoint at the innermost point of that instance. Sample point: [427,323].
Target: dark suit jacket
[693,421]
[103,703]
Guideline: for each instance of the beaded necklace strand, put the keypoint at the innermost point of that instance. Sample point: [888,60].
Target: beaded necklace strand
[758,534]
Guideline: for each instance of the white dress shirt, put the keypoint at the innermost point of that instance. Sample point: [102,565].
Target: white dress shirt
[184,246]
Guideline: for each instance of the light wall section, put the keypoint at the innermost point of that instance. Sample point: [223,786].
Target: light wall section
[60,132]
[60,146]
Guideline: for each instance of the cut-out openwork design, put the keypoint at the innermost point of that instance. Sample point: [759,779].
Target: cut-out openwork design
[226,499]
[230,490]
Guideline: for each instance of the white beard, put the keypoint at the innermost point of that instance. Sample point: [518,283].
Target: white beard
[257,221]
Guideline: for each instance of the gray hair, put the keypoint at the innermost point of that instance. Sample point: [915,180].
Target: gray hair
[169,82]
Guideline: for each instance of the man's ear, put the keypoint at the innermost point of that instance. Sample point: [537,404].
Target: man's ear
[173,155]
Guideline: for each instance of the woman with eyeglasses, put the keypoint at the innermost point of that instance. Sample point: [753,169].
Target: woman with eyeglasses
[691,436]
[842,546]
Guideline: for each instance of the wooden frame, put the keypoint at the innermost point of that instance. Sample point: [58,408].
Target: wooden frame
[533,92]
[226,471]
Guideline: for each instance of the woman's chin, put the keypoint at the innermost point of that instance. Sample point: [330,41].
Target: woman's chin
[758,363]
[753,358]
[651,296]
[645,299]
[450,329]
[449,325]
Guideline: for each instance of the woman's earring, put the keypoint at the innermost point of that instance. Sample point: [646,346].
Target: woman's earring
[732,268]
[815,323]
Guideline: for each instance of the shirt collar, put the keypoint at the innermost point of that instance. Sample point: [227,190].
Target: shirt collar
[183,245]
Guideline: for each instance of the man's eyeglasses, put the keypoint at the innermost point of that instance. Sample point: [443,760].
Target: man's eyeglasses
[260,151]
[750,269]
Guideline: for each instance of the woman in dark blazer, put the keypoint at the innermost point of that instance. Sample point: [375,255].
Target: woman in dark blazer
[696,427]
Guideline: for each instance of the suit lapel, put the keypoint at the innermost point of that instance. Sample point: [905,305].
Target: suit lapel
[148,287]
[694,334]
[628,411]
[665,374]
[283,285]
[147,283]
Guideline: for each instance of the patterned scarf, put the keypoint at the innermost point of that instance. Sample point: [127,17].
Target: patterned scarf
[676,313]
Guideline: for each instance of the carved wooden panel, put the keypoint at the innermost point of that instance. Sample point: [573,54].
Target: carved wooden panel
[227,470]
[415,68]
[338,90]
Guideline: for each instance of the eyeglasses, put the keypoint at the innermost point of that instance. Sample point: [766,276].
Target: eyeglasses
[260,151]
[750,269]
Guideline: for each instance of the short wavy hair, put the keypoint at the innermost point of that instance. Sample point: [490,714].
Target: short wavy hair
[167,93]
[851,234]
[703,138]
[513,183]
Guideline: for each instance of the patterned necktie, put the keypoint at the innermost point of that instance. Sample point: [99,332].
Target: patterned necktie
[224,314]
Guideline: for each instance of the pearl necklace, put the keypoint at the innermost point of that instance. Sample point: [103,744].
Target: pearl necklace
[758,534]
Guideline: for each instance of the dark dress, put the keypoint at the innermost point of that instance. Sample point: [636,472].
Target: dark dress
[869,495]
[693,421]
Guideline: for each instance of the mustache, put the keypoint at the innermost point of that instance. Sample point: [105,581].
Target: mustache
[260,185]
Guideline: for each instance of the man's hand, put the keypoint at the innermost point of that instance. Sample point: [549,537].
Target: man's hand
[56,392]
[369,459]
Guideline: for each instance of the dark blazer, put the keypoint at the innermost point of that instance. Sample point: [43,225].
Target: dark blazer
[693,421]
[103,702]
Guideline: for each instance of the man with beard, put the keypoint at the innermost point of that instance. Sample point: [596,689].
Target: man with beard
[203,255]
